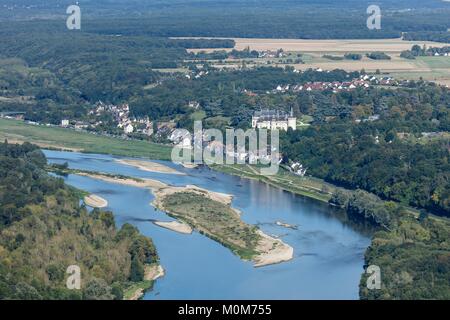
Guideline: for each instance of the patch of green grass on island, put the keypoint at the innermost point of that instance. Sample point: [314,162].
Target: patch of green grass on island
[215,220]
[61,138]
[305,186]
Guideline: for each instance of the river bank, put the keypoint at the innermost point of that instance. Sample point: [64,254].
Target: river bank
[149,166]
[303,186]
[175,226]
[151,273]
[211,214]
[95,201]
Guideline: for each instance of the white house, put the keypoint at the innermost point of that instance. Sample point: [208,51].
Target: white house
[298,169]
[128,128]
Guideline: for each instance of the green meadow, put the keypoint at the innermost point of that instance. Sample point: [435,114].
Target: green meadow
[61,138]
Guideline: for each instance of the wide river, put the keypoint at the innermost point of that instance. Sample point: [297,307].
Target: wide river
[328,248]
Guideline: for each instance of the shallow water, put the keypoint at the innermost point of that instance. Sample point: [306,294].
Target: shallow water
[328,248]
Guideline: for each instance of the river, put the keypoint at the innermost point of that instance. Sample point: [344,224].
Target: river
[328,248]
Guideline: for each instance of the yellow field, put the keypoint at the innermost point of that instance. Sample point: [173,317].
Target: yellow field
[331,46]
[430,68]
[327,46]
[396,64]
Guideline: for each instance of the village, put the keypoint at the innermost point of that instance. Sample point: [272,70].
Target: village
[364,81]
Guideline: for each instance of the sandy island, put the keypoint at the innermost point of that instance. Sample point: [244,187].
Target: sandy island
[153,272]
[286,225]
[149,166]
[188,165]
[95,201]
[271,250]
[177,226]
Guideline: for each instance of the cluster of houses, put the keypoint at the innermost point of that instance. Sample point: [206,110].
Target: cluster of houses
[184,139]
[371,118]
[263,119]
[197,75]
[335,86]
[363,81]
[194,105]
[437,54]
[271,54]
[12,115]
[121,115]
[297,169]
[77,125]
[242,155]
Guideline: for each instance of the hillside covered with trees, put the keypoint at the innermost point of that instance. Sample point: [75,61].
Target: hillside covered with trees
[390,157]
[44,230]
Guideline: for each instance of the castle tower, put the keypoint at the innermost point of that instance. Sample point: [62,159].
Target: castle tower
[292,121]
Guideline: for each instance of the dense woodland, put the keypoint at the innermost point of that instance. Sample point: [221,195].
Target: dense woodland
[388,157]
[413,252]
[415,260]
[59,75]
[438,36]
[43,230]
[237,18]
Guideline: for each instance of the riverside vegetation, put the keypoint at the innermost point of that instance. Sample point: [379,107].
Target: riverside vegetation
[44,229]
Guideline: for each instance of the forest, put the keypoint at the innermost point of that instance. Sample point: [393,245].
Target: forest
[247,19]
[377,156]
[438,36]
[44,229]
[415,256]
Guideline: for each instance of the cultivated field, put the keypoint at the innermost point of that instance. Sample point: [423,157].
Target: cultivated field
[327,46]
[429,68]
[332,46]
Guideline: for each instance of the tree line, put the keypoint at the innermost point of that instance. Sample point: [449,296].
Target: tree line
[44,229]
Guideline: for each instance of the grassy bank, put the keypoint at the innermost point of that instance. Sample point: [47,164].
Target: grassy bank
[305,186]
[136,290]
[67,139]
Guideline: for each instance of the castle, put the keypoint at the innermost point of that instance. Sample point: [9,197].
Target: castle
[274,120]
